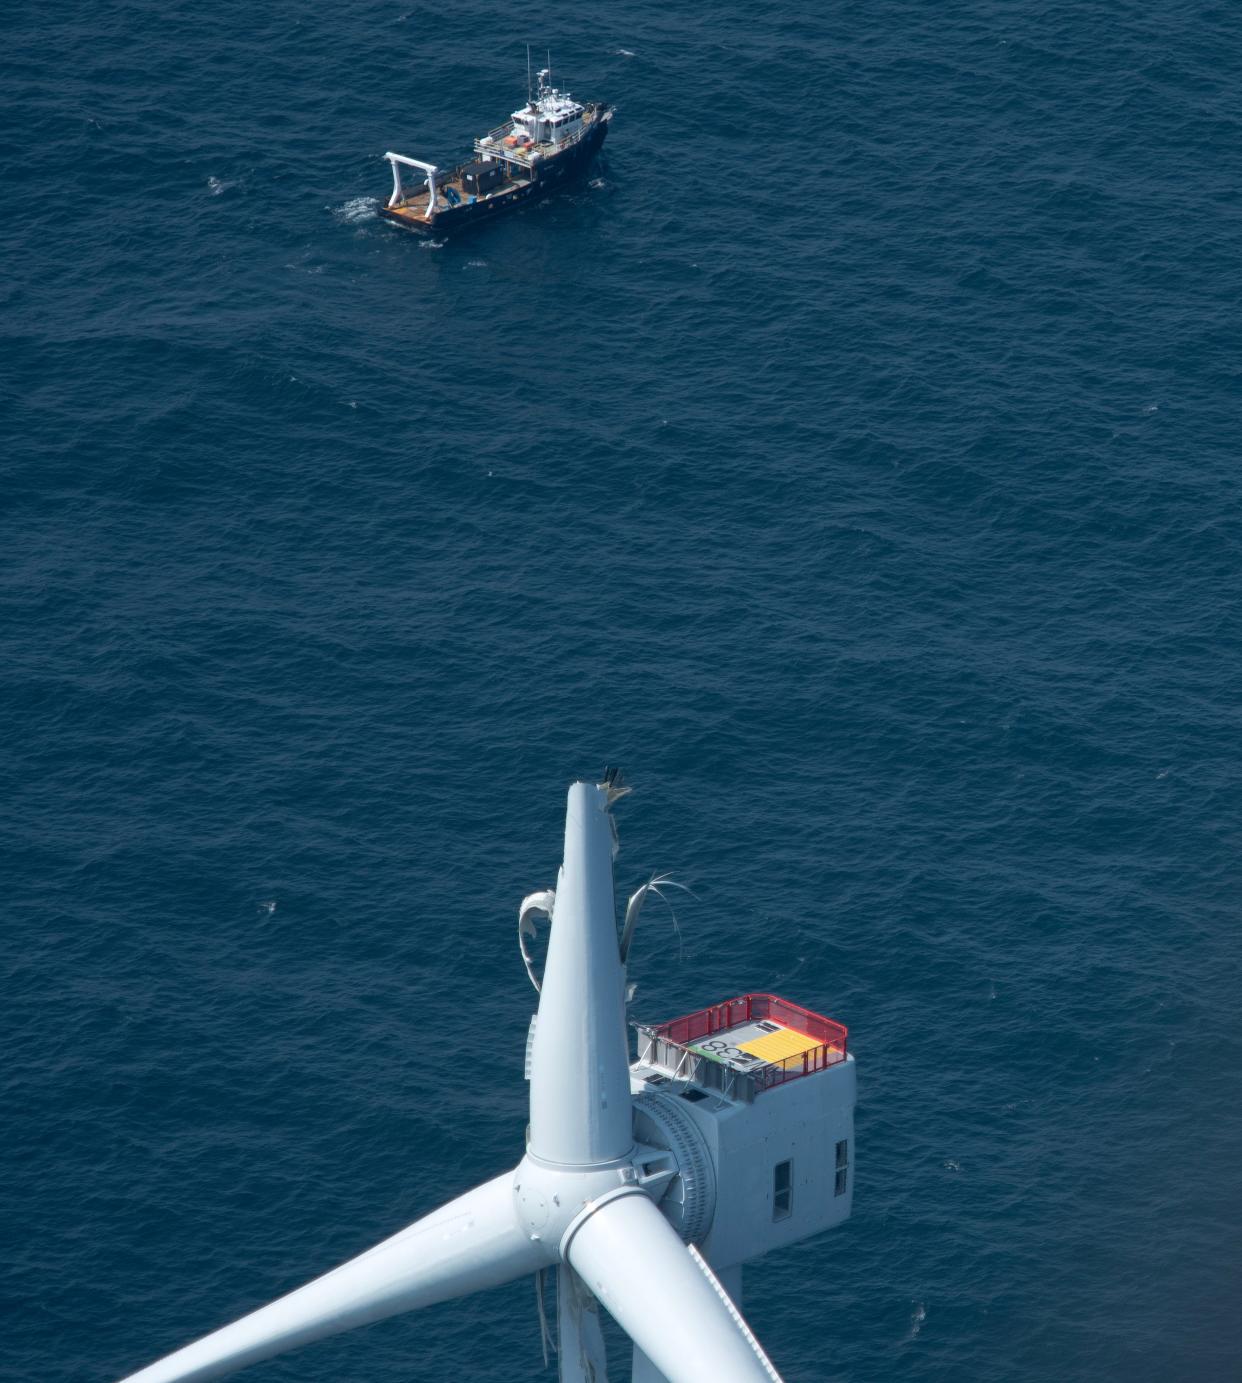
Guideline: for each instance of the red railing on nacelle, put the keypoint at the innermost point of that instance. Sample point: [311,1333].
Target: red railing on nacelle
[753,1008]
[833,1038]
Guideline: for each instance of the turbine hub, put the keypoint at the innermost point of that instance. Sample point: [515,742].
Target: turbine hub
[548,1200]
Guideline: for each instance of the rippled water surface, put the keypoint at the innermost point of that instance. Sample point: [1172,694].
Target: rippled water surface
[853,459]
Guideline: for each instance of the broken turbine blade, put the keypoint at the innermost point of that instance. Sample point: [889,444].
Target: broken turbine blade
[582,1357]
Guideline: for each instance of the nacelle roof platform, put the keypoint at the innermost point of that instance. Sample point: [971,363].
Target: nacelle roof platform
[744,1046]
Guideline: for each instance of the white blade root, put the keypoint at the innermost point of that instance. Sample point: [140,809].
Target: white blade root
[664,1297]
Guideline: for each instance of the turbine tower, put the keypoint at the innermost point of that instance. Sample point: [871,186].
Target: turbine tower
[644,1186]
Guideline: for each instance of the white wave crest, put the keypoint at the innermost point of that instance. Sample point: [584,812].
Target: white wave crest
[356,210]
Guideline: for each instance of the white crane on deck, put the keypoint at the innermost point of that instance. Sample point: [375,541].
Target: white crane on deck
[711,1149]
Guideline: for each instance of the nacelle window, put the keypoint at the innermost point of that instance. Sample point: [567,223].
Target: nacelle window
[843,1166]
[782,1191]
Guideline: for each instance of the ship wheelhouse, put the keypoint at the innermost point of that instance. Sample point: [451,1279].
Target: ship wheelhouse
[551,119]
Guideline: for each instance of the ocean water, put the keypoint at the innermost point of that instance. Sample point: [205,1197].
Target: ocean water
[853,459]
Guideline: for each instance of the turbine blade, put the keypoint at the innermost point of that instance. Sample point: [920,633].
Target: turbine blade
[664,1296]
[471,1243]
[580,1078]
[642,1370]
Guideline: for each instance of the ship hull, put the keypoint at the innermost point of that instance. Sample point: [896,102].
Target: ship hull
[555,173]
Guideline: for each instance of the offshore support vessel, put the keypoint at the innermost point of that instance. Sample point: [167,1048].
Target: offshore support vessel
[552,139]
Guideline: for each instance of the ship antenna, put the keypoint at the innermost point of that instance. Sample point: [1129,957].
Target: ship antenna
[549,67]
[528,86]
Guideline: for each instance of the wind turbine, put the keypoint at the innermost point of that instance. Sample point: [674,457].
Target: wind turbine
[710,1149]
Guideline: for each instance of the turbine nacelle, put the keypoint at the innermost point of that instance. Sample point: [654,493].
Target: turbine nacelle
[626,1170]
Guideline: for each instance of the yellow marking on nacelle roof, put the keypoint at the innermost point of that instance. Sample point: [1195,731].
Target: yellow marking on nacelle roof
[778,1046]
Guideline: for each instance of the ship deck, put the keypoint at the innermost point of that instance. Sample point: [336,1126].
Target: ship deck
[414,207]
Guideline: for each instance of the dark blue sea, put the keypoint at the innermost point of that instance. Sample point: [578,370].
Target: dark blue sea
[853,458]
